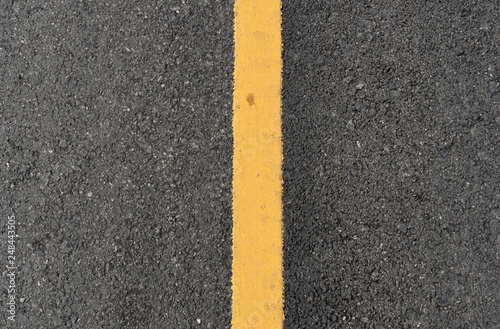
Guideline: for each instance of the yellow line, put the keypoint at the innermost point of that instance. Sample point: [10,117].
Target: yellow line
[257,183]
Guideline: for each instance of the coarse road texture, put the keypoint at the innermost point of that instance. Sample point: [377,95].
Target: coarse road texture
[116,146]
[116,127]
[391,117]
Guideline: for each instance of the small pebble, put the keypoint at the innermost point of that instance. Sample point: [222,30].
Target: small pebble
[457,24]
[350,126]
[395,93]
[443,302]
[492,72]
[448,144]
[485,26]
[493,87]
[371,112]
[403,228]
[459,51]
[44,180]
[348,80]
[65,247]
[360,106]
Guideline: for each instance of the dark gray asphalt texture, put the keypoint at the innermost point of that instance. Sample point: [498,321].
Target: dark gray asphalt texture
[116,145]
[391,117]
[116,161]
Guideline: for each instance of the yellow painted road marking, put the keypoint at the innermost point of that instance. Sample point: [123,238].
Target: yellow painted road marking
[257,184]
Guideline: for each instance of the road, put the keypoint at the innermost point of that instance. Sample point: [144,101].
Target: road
[116,146]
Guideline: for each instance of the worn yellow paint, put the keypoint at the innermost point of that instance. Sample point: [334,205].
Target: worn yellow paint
[257,183]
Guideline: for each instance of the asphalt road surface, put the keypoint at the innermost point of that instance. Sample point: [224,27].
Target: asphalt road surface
[116,156]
